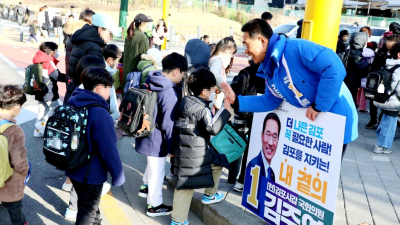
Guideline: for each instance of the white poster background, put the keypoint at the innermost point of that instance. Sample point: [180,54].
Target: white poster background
[333,133]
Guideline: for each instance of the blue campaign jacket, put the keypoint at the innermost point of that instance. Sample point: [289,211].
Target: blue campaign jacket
[256,161]
[317,73]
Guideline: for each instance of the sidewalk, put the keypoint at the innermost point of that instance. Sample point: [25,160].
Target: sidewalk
[369,188]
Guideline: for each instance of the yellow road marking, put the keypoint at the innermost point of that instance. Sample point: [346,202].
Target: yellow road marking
[114,213]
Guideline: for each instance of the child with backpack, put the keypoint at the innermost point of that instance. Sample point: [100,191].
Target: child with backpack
[159,144]
[32,32]
[112,54]
[196,165]
[47,95]
[101,144]
[14,164]
[389,109]
[368,57]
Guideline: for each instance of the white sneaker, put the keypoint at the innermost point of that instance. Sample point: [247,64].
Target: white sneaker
[70,214]
[106,188]
[67,187]
[378,150]
[238,187]
[386,151]
[37,133]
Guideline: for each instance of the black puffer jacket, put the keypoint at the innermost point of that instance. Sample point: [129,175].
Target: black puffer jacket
[356,67]
[193,155]
[87,41]
[70,27]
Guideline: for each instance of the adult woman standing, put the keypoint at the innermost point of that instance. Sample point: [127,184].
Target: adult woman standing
[136,43]
[159,33]
[41,18]
[220,60]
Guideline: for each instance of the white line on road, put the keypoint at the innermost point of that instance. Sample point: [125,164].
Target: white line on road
[24,51]
[15,47]
[6,60]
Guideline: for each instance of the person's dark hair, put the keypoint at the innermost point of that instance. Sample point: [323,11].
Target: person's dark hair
[258,26]
[112,51]
[174,61]
[87,62]
[395,50]
[47,47]
[201,79]
[272,116]
[20,3]
[366,30]
[267,16]
[223,45]
[10,95]
[394,27]
[165,27]
[93,76]
[343,33]
[204,37]
[86,15]
[131,30]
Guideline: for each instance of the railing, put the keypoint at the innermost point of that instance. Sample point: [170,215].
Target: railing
[180,35]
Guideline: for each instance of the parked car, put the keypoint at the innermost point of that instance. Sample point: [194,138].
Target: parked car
[377,33]
[289,30]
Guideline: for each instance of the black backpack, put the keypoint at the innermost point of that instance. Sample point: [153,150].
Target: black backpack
[65,138]
[137,102]
[344,56]
[378,84]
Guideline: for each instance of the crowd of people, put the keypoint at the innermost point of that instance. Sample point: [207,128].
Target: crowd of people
[194,102]
[360,57]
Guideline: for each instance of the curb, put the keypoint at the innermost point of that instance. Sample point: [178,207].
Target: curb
[227,212]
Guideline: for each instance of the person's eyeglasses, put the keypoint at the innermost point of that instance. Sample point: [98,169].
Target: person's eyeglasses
[269,136]
[246,45]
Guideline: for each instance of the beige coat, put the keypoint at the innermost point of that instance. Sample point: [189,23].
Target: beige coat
[14,189]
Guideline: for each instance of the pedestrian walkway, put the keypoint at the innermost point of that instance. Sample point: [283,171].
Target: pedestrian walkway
[45,202]
[369,188]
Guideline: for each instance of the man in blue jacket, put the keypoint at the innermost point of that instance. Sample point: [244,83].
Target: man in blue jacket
[101,141]
[159,144]
[305,74]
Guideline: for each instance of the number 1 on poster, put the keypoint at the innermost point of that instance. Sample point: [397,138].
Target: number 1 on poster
[252,197]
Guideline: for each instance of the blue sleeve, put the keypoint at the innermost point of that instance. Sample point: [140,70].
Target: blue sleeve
[167,106]
[106,141]
[332,71]
[264,103]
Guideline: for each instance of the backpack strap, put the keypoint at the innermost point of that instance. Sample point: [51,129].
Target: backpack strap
[394,68]
[4,125]
[146,67]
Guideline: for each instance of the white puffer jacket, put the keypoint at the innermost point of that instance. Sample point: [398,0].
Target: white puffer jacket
[393,104]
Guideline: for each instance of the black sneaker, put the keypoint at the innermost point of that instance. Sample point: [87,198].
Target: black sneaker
[144,191]
[161,210]
[372,125]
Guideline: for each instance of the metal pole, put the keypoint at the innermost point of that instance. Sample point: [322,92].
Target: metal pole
[165,16]
[356,7]
[198,32]
[21,33]
[369,7]
[1,25]
[60,38]
[232,31]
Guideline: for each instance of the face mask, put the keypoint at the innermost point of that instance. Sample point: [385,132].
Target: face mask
[110,70]
[212,96]
[226,59]
[56,55]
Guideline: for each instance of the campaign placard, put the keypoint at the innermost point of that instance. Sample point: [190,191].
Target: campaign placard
[293,166]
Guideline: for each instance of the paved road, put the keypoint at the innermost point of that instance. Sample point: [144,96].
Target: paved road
[44,201]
